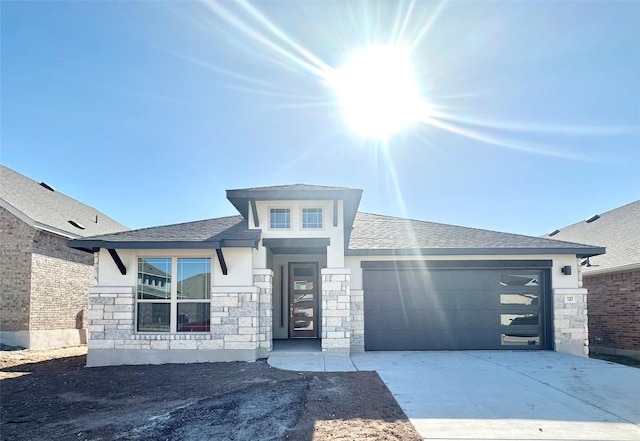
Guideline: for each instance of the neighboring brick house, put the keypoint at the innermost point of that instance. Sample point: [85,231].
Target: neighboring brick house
[43,283]
[612,279]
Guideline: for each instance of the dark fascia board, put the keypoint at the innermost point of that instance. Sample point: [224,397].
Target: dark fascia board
[579,252]
[95,245]
[449,264]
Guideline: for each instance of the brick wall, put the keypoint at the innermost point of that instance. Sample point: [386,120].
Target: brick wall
[60,277]
[614,309]
[15,268]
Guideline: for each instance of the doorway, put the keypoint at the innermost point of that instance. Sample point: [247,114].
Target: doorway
[303,300]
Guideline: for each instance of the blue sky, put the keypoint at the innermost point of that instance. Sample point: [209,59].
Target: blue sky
[149,111]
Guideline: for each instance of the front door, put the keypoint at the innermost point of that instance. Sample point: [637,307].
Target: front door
[303,300]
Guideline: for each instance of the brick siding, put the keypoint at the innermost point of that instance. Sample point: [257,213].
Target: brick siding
[614,309]
[16,238]
[43,283]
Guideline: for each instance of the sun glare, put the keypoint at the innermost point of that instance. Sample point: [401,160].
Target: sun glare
[378,92]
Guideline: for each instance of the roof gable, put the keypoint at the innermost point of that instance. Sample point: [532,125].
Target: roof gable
[42,207]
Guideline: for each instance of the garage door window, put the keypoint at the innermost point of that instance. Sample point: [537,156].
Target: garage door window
[520,295]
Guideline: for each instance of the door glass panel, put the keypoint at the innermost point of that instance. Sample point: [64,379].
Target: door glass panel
[519,280]
[303,272]
[303,285]
[306,297]
[519,340]
[519,319]
[303,319]
[527,299]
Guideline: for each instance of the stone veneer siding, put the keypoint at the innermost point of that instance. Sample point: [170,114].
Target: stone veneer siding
[357,320]
[240,326]
[614,312]
[570,325]
[263,280]
[336,310]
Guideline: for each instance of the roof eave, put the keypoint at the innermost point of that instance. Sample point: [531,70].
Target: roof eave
[94,245]
[578,252]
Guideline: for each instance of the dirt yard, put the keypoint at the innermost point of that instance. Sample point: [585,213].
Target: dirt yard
[51,395]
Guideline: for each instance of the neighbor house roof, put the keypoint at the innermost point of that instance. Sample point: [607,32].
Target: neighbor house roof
[41,206]
[618,230]
[377,234]
[229,231]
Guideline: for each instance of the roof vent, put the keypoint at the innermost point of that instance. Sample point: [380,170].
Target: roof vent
[592,218]
[554,232]
[47,186]
[77,224]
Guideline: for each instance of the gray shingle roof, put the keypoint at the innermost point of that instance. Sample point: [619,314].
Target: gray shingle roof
[373,232]
[618,230]
[51,210]
[209,233]
[294,187]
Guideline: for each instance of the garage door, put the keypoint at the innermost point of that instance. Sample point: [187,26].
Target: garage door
[408,306]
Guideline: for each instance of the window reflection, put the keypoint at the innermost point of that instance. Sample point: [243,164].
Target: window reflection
[519,280]
[519,299]
[515,340]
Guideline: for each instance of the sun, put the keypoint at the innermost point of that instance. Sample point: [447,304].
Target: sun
[377,92]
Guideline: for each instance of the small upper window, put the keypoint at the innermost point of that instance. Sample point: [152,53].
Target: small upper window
[280,218]
[312,218]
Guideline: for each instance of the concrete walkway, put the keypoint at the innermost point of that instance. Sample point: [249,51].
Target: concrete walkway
[482,395]
[310,362]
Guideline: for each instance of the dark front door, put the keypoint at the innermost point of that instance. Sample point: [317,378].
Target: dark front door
[303,300]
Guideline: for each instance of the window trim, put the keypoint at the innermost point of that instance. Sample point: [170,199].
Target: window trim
[271,227]
[322,223]
[173,300]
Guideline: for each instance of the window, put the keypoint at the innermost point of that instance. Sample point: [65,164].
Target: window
[312,218]
[163,306]
[280,218]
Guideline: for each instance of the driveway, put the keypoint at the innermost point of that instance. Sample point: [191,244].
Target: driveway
[511,395]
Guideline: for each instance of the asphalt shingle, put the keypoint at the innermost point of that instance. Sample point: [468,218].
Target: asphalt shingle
[377,232]
[617,229]
[51,208]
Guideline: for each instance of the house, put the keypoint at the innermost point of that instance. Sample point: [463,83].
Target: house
[613,279]
[300,261]
[43,283]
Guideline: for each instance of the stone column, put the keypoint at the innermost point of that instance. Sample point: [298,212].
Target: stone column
[357,320]
[571,334]
[336,310]
[263,280]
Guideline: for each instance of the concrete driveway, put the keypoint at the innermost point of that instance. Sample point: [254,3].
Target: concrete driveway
[511,395]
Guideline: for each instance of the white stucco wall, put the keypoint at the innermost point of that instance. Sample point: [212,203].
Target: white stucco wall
[238,260]
[335,251]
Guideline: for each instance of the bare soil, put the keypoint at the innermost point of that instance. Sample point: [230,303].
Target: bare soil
[51,395]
